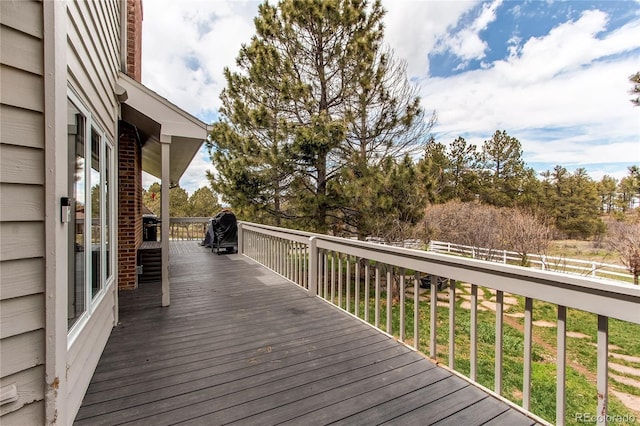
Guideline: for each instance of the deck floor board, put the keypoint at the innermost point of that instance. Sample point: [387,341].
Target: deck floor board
[240,344]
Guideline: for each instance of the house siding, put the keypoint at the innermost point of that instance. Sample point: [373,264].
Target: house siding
[93,63]
[22,342]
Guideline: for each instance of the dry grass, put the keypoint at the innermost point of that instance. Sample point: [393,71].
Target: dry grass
[585,250]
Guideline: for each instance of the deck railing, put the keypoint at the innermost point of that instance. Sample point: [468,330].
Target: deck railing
[188,228]
[354,275]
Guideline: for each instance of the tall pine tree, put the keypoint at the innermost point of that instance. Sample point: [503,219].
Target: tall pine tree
[314,95]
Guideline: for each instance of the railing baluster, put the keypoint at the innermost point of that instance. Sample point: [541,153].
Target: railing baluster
[340,279]
[561,358]
[416,310]
[602,375]
[333,277]
[313,266]
[526,380]
[348,284]
[473,343]
[301,260]
[452,323]
[377,296]
[389,298]
[433,352]
[356,299]
[366,290]
[402,302]
[499,341]
[325,278]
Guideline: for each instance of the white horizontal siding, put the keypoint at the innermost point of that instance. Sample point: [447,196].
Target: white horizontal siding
[21,202]
[21,165]
[30,389]
[21,352]
[22,15]
[30,414]
[21,277]
[21,52]
[21,89]
[21,127]
[93,58]
[21,314]
[22,212]
[21,240]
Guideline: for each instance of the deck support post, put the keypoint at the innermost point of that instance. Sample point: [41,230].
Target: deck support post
[165,141]
[313,266]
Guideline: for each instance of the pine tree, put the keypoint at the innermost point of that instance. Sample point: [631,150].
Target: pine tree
[315,96]
[203,203]
[503,170]
[573,203]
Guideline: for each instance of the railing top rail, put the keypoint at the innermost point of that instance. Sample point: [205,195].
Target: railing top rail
[604,297]
[189,219]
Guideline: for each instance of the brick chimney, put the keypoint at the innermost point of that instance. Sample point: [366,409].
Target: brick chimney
[134,39]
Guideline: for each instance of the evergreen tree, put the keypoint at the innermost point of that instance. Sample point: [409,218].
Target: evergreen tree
[203,203]
[464,162]
[607,193]
[151,198]
[178,202]
[315,96]
[572,201]
[503,170]
[434,174]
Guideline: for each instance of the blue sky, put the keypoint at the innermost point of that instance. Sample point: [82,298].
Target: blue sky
[553,74]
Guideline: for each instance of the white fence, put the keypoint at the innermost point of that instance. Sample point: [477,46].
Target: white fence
[354,274]
[546,263]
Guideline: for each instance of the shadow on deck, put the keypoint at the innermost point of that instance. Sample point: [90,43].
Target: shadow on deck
[241,344]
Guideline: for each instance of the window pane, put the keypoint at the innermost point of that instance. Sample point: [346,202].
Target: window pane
[96,217]
[76,181]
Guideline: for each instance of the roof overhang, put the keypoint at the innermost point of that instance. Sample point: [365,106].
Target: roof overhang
[158,120]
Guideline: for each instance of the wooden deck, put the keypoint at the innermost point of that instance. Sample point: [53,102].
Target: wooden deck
[240,344]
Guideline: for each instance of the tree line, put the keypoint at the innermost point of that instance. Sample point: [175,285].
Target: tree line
[202,203]
[320,129]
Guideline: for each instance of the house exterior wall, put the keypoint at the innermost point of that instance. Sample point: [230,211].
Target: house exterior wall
[49,367]
[22,210]
[93,63]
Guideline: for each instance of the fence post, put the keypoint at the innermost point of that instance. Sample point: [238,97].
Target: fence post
[240,239]
[313,267]
[593,269]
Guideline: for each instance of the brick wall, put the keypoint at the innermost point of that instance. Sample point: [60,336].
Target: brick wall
[134,39]
[129,204]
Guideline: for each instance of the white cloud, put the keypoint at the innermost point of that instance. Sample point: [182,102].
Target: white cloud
[176,31]
[195,176]
[466,43]
[412,28]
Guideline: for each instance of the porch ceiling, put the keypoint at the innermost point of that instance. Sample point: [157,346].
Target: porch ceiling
[154,116]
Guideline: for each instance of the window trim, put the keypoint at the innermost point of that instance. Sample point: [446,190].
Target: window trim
[92,301]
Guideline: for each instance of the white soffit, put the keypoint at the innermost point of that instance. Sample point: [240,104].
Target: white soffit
[153,116]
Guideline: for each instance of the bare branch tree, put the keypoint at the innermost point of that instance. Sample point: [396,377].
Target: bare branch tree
[624,237]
